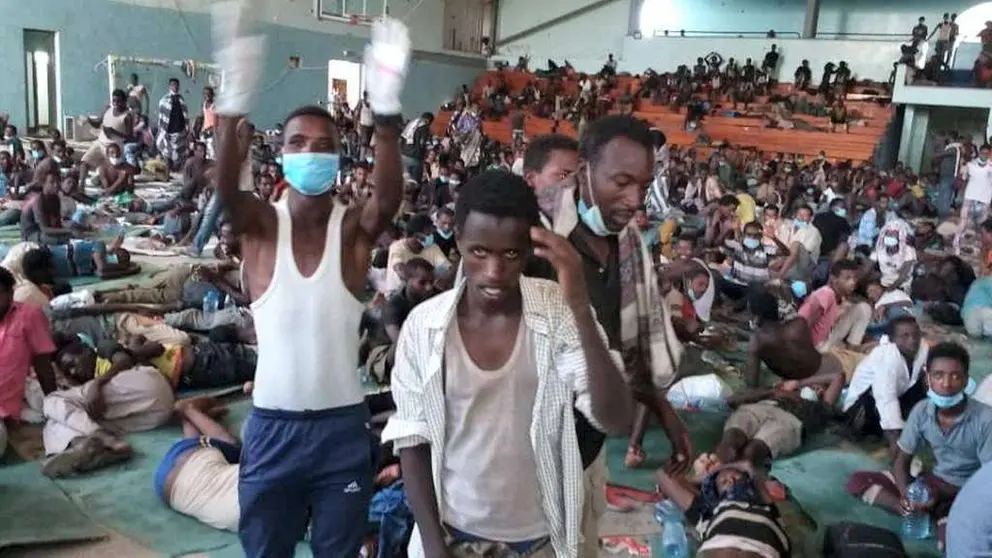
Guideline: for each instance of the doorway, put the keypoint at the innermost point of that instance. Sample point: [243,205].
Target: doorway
[344,80]
[41,79]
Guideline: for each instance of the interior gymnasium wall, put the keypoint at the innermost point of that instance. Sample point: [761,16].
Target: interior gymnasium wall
[89,30]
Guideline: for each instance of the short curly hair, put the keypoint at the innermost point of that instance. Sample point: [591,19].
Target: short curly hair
[497,193]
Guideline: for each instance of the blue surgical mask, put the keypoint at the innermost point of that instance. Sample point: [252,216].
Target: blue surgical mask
[799,289]
[751,243]
[370,160]
[592,217]
[445,234]
[37,154]
[948,401]
[443,179]
[800,224]
[890,241]
[427,241]
[840,212]
[310,174]
[112,259]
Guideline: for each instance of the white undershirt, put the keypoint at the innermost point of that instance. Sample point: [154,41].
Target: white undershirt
[489,482]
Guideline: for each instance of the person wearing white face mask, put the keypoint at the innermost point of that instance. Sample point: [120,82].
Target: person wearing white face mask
[895,257]
[977,194]
[307,448]
[802,240]
[116,176]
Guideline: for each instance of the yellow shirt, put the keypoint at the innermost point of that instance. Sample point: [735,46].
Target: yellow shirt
[746,209]
[169,363]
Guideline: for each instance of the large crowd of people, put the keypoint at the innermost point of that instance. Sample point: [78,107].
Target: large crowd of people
[521,302]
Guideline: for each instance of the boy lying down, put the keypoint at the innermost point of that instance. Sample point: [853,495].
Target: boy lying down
[733,512]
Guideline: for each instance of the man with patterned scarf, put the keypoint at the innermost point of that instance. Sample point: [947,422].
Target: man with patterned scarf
[594,209]
[173,127]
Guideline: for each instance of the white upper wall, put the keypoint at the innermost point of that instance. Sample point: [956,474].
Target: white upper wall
[424,17]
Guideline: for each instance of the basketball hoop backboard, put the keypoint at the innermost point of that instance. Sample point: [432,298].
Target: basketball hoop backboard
[352,12]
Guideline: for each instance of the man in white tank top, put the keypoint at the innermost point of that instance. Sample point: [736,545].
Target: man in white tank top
[307,447]
[485,379]
[115,126]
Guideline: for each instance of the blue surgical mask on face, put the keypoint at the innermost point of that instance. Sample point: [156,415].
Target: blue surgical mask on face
[840,212]
[800,224]
[751,243]
[445,234]
[443,179]
[310,174]
[890,241]
[592,217]
[427,241]
[112,259]
[799,289]
[37,154]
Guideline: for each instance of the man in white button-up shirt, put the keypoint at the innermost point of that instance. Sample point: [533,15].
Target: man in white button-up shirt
[485,380]
[888,382]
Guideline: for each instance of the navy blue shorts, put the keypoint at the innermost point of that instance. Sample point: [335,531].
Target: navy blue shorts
[295,465]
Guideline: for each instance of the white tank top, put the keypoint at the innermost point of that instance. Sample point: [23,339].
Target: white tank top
[114,123]
[307,329]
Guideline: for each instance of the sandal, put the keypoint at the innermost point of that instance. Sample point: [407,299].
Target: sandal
[634,458]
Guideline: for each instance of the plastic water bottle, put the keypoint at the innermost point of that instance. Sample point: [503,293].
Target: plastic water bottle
[4,248]
[211,302]
[916,524]
[674,543]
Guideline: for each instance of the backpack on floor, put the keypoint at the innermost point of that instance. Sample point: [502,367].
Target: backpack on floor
[857,540]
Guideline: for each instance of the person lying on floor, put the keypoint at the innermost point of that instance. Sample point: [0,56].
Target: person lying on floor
[91,258]
[888,383]
[198,476]
[205,364]
[958,430]
[732,513]
[772,422]
[84,422]
[183,283]
[108,322]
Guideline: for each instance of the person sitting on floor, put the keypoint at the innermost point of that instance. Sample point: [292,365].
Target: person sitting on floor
[831,315]
[895,256]
[116,176]
[723,223]
[803,241]
[198,476]
[957,428]
[418,277]
[750,260]
[732,513]
[419,243]
[41,215]
[888,383]
[769,423]
[976,310]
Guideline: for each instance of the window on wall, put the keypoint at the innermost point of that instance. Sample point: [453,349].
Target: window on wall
[658,15]
[466,22]
[347,8]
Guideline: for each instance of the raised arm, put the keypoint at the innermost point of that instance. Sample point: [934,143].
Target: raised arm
[386,61]
[239,58]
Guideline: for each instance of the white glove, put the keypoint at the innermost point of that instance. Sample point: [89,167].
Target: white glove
[240,58]
[386,62]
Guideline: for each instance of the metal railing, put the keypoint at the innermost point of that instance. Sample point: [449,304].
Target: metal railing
[737,34]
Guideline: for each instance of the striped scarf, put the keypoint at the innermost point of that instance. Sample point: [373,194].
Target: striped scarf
[651,351]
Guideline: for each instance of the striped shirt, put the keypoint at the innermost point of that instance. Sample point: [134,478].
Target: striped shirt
[417,387]
[754,528]
[750,266]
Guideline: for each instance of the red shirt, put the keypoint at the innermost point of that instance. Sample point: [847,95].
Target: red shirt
[823,302]
[24,334]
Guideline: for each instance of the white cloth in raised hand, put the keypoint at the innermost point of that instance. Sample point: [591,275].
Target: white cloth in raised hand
[386,62]
[240,59]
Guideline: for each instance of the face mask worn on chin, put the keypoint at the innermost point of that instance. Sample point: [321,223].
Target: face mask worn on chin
[948,401]
[751,243]
[310,174]
[427,241]
[592,217]
[445,234]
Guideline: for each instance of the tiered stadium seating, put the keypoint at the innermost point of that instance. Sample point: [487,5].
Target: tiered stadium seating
[857,145]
